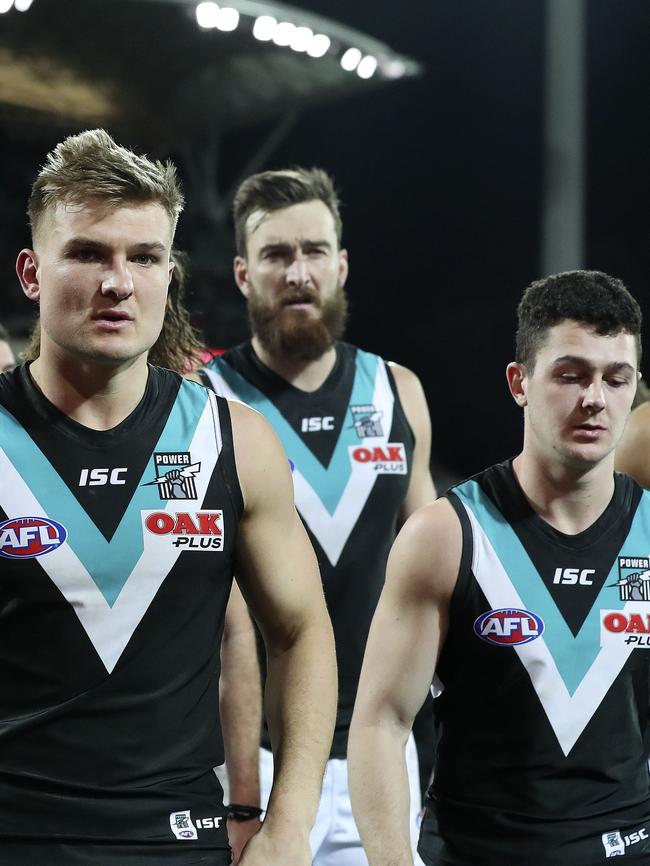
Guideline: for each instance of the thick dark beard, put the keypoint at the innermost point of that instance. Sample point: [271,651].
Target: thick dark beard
[290,335]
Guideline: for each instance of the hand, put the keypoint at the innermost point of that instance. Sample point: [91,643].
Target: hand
[265,850]
[239,832]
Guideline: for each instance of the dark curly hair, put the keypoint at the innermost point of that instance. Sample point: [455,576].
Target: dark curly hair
[589,297]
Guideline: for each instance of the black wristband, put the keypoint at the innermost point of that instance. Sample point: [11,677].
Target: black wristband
[243,813]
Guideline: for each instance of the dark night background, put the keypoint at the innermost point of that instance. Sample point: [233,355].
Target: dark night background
[441,180]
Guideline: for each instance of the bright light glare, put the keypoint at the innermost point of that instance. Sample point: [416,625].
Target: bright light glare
[350,59]
[228,19]
[207,15]
[22,5]
[319,45]
[367,67]
[395,69]
[301,39]
[5,5]
[284,33]
[264,28]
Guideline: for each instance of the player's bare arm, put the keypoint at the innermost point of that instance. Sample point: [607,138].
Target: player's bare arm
[240,710]
[279,578]
[421,489]
[633,451]
[405,638]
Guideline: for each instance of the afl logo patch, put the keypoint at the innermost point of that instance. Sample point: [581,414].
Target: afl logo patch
[508,626]
[29,537]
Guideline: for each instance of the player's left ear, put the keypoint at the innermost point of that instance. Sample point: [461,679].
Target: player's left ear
[27,270]
[517,377]
[344,267]
[240,269]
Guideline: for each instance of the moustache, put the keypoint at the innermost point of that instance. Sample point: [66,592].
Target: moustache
[299,296]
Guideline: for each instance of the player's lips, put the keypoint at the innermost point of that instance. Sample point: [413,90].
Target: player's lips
[299,302]
[113,319]
[299,298]
[589,431]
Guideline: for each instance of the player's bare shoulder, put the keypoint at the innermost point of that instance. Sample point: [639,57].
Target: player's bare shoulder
[428,549]
[408,384]
[414,403]
[262,464]
[633,451]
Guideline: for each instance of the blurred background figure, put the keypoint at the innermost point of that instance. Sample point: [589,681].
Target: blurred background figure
[7,359]
[633,452]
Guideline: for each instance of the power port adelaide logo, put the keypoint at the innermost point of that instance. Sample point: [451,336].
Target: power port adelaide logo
[175,475]
[633,578]
[629,625]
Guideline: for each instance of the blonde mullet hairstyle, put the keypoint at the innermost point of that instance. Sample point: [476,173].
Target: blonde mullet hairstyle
[90,166]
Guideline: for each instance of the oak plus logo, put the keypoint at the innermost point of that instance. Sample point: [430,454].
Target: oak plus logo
[175,474]
[629,627]
[198,530]
[633,578]
[388,459]
[366,420]
[29,537]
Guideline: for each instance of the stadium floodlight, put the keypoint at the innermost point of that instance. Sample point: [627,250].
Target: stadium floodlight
[22,5]
[301,39]
[228,19]
[264,28]
[5,5]
[394,68]
[319,45]
[284,33]
[304,32]
[350,59]
[367,67]
[207,15]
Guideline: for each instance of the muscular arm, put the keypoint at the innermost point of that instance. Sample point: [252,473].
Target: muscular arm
[421,489]
[278,574]
[240,710]
[633,451]
[405,637]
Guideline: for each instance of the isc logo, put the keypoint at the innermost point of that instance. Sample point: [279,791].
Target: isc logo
[571,576]
[314,425]
[208,823]
[508,626]
[28,537]
[99,477]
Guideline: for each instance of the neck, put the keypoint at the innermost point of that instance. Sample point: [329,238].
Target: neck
[305,375]
[569,499]
[97,396]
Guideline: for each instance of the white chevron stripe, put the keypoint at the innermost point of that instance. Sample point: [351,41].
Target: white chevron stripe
[333,530]
[110,629]
[568,714]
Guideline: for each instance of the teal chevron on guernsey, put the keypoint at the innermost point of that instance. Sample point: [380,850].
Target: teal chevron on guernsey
[329,482]
[573,656]
[109,562]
